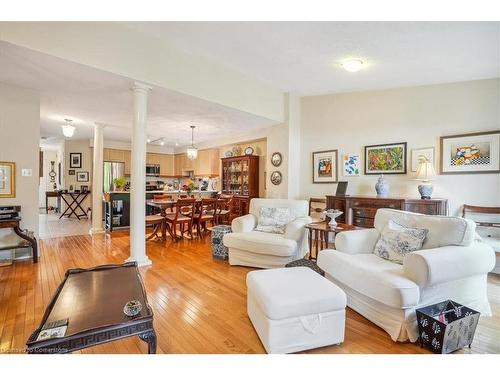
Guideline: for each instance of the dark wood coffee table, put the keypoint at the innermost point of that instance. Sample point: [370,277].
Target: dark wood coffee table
[92,300]
[319,233]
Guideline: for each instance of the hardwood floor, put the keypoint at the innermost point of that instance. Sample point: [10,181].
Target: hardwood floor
[199,303]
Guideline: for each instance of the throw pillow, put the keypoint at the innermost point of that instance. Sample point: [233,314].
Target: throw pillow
[396,241]
[273,220]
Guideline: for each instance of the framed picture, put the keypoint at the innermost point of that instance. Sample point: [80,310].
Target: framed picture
[471,153]
[351,165]
[325,168]
[7,179]
[418,153]
[82,176]
[75,160]
[276,159]
[386,159]
[84,188]
[276,177]
[71,172]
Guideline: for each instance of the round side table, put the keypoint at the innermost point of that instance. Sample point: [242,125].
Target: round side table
[319,235]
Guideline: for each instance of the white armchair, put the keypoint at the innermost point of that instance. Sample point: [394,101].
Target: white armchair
[452,264]
[248,247]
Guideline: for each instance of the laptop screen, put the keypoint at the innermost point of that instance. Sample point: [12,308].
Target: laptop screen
[341,188]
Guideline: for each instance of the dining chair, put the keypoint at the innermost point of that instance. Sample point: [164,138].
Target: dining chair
[204,214]
[224,209]
[167,197]
[156,221]
[177,218]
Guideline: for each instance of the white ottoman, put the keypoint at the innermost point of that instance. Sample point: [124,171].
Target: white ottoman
[294,309]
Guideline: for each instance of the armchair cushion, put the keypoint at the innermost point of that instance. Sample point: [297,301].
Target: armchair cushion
[244,223]
[261,243]
[357,241]
[448,263]
[371,276]
[295,229]
[273,219]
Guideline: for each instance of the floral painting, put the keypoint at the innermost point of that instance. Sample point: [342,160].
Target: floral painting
[386,159]
[352,165]
[325,166]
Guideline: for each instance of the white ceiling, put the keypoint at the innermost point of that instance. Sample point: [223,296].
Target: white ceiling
[88,95]
[304,57]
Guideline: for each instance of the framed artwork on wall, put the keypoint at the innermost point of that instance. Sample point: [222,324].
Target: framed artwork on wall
[418,154]
[7,179]
[71,172]
[325,169]
[75,160]
[471,153]
[82,176]
[386,159]
[351,165]
[276,177]
[276,159]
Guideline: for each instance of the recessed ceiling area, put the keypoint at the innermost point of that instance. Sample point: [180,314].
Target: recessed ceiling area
[305,57]
[87,95]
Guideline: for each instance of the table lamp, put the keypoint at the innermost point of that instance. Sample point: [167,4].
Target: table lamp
[425,173]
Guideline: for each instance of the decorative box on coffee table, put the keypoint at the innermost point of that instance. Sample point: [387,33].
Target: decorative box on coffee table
[446,326]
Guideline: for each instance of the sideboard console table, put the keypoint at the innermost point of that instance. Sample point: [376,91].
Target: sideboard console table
[360,210]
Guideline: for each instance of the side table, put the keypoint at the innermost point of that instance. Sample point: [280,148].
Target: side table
[319,235]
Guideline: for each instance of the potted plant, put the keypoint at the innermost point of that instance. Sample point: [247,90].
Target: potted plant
[120,183]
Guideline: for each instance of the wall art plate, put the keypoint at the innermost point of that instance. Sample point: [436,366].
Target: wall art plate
[276,177]
[249,151]
[276,159]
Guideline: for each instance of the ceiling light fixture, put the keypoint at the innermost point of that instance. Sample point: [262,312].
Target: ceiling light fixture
[192,152]
[68,129]
[162,143]
[353,65]
[148,140]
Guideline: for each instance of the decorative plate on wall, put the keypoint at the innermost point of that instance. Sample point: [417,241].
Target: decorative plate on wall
[249,151]
[228,154]
[276,159]
[276,178]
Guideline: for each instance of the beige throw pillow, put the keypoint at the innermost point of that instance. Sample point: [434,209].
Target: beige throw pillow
[396,241]
[273,220]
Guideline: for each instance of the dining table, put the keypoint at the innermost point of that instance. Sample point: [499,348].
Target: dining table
[163,205]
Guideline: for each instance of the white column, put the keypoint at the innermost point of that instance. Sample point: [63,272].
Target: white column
[97,179]
[138,177]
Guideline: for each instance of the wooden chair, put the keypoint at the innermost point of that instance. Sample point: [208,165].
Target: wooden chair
[167,197]
[483,212]
[224,209]
[178,218]
[205,213]
[157,222]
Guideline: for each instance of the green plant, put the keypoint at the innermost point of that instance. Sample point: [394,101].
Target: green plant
[120,182]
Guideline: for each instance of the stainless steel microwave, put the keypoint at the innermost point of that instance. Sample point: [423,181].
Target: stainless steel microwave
[152,170]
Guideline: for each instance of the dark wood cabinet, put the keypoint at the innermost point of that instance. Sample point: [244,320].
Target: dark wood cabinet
[240,178]
[360,211]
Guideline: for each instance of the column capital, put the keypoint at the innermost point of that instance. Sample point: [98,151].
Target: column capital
[99,124]
[139,86]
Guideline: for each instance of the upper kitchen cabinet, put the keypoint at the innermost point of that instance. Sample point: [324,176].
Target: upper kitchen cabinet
[128,161]
[152,158]
[207,164]
[167,165]
[116,155]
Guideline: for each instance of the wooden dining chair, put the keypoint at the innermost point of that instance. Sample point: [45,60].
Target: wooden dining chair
[177,218]
[204,214]
[224,209]
[156,221]
[166,197]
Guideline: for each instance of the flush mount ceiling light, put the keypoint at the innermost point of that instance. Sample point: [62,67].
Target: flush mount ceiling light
[353,65]
[68,129]
[192,152]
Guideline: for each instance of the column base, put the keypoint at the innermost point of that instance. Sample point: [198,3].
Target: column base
[140,262]
[93,231]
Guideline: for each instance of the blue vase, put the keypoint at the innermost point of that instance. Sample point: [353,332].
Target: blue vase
[382,187]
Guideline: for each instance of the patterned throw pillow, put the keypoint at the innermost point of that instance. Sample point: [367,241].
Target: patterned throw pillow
[273,220]
[396,241]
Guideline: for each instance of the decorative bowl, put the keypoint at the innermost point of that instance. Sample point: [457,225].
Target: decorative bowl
[132,308]
[333,214]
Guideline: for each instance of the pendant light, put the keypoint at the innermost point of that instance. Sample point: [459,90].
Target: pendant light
[68,129]
[192,152]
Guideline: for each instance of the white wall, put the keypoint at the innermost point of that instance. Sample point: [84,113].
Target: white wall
[417,115]
[19,138]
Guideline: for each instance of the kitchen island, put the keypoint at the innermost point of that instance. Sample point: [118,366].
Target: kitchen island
[116,205]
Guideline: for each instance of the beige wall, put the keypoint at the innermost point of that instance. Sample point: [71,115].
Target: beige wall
[417,115]
[87,161]
[19,138]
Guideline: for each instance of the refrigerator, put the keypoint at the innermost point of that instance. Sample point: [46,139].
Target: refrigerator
[112,170]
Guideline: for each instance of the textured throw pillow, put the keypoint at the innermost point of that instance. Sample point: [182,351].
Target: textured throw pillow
[273,219]
[396,241]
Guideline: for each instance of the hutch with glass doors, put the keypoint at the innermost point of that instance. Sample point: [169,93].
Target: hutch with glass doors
[240,178]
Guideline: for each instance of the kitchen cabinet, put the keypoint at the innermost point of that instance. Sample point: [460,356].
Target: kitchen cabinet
[166,165]
[152,158]
[128,162]
[208,163]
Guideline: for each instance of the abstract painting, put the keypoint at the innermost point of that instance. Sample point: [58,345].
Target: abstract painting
[471,153]
[352,165]
[386,159]
[325,166]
